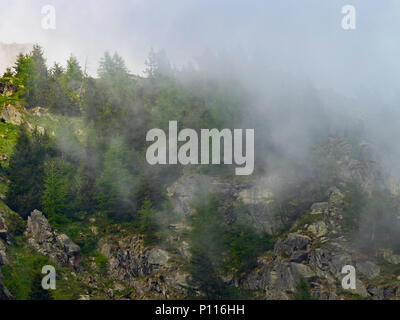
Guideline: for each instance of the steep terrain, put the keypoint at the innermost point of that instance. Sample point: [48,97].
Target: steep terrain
[99,258]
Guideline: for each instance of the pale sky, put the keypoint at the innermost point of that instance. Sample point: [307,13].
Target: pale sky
[302,37]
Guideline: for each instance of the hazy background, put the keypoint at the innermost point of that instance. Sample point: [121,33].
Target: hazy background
[288,53]
[301,37]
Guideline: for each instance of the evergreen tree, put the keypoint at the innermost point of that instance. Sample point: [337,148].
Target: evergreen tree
[26,172]
[147,222]
[55,191]
[57,99]
[37,292]
[207,246]
[303,291]
[116,184]
[37,78]
[73,74]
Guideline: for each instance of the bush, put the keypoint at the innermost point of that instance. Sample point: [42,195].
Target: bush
[303,291]
[147,222]
[354,202]
[16,225]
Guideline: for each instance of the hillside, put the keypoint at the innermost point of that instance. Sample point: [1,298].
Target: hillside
[77,193]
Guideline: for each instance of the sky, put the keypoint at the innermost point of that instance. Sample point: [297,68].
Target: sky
[304,38]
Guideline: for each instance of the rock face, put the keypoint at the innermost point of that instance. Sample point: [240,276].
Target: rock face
[257,197]
[147,270]
[47,241]
[10,114]
[182,192]
[4,293]
[318,257]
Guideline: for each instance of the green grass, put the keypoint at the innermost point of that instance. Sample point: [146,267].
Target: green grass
[8,138]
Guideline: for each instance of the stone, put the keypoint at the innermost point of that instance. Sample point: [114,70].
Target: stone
[319,207]
[299,256]
[292,243]
[10,114]
[47,241]
[389,256]
[368,268]
[157,257]
[319,229]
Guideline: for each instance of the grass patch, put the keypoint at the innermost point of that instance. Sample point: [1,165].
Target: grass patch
[8,139]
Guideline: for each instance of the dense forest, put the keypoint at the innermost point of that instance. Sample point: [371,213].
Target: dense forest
[103,170]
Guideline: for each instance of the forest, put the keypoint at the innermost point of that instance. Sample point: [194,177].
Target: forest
[72,175]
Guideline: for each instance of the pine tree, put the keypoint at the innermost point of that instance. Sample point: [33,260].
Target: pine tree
[207,246]
[55,191]
[37,78]
[37,292]
[26,172]
[148,223]
[73,74]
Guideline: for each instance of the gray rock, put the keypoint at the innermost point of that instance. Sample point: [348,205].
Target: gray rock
[319,229]
[368,268]
[157,257]
[47,241]
[293,242]
[299,256]
[319,207]
[10,114]
[389,256]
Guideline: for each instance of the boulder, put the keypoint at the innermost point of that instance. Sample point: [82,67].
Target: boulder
[157,257]
[293,242]
[368,268]
[319,229]
[10,114]
[47,241]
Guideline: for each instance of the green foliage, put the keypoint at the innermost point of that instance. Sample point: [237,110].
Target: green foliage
[355,201]
[8,139]
[37,292]
[115,184]
[16,225]
[147,222]
[207,246]
[26,172]
[34,74]
[55,192]
[244,243]
[379,224]
[22,278]
[309,183]
[303,291]
[102,263]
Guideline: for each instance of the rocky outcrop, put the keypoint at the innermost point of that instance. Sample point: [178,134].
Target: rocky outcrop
[10,114]
[259,199]
[47,241]
[182,192]
[4,293]
[257,196]
[317,252]
[147,270]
